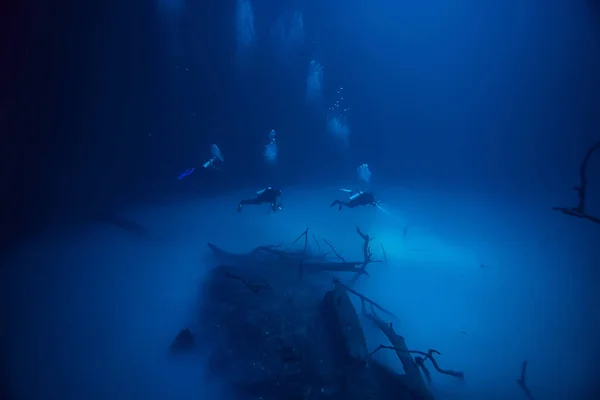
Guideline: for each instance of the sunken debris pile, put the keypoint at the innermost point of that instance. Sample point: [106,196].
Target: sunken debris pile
[278,329]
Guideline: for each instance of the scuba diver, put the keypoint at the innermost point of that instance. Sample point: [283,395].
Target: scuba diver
[266,195]
[356,199]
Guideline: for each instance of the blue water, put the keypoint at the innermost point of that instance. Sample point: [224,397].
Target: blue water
[473,119]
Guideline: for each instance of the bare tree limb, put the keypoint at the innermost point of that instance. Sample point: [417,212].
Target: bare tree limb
[427,356]
[575,213]
[305,235]
[384,253]
[455,374]
[254,288]
[367,255]
[420,361]
[364,298]
[317,242]
[411,369]
[522,383]
[580,210]
[333,249]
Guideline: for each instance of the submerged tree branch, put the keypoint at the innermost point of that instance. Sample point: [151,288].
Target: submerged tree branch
[317,242]
[384,253]
[522,383]
[580,210]
[334,251]
[254,288]
[305,235]
[427,356]
[364,298]
[411,369]
[367,255]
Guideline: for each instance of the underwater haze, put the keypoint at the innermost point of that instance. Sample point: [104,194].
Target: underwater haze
[140,132]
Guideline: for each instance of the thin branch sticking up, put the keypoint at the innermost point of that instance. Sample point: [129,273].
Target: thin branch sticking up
[384,253]
[317,242]
[367,255]
[366,247]
[305,235]
[333,249]
[522,383]
[580,210]
[254,288]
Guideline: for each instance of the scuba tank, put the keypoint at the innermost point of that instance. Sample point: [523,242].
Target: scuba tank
[355,195]
[263,190]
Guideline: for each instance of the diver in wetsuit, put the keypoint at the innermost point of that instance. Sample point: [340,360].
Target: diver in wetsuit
[266,195]
[356,199]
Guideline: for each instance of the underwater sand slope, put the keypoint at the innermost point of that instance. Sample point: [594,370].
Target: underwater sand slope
[505,274]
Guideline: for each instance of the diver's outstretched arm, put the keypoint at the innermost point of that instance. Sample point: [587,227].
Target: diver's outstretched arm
[339,203]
